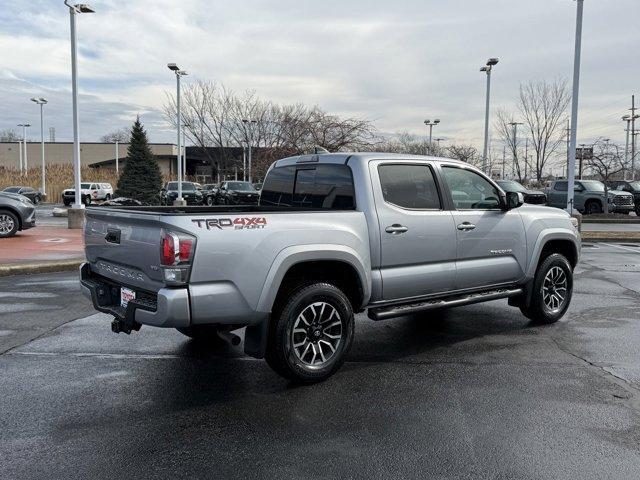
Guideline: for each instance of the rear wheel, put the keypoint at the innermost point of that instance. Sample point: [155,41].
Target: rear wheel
[593,207]
[210,200]
[552,290]
[66,203]
[36,200]
[638,209]
[107,196]
[86,200]
[9,224]
[310,335]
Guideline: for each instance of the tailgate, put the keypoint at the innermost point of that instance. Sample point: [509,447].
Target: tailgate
[124,246]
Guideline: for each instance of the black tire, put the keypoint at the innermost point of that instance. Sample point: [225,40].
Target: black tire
[66,204]
[593,207]
[210,201]
[86,200]
[638,209]
[538,310]
[313,299]
[9,224]
[36,200]
[107,197]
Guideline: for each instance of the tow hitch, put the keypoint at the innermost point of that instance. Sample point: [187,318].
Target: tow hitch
[124,326]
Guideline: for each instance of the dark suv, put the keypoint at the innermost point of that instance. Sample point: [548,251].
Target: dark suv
[535,197]
[190,193]
[632,187]
[238,193]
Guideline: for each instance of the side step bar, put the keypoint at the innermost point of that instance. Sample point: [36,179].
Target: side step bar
[382,313]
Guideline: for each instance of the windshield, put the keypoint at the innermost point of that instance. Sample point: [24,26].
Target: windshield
[511,186]
[12,189]
[185,186]
[241,186]
[593,185]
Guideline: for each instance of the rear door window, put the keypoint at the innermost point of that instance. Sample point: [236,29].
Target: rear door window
[325,186]
[409,186]
[560,186]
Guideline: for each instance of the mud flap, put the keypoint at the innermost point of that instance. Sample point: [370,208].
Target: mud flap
[255,339]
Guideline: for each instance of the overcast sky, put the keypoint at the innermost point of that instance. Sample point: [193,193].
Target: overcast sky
[394,63]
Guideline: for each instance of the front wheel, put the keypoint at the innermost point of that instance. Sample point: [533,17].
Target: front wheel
[552,290]
[9,224]
[638,209]
[86,200]
[310,334]
[36,200]
[593,207]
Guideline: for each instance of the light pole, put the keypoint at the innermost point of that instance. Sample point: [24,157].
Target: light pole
[574,108]
[487,69]
[431,124]
[179,73]
[249,124]
[23,165]
[41,101]
[73,10]
[438,140]
[117,159]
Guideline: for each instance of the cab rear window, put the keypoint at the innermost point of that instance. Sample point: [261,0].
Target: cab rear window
[325,186]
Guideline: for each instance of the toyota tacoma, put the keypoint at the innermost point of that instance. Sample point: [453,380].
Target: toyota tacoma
[332,235]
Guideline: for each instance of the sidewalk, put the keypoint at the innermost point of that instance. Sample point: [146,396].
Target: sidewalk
[41,249]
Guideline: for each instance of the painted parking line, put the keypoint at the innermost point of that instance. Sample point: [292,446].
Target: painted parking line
[621,247]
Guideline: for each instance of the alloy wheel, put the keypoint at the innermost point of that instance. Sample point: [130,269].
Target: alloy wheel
[316,334]
[6,224]
[554,290]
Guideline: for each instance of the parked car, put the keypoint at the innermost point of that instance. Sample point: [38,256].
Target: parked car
[122,202]
[534,197]
[349,233]
[210,193]
[190,193]
[237,193]
[89,192]
[630,187]
[31,193]
[258,186]
[17,213]
[589,197]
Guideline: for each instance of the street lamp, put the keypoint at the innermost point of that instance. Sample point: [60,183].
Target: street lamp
[431,124]
[179,73]
[515,144]
[77,204]
[23,164]
[250,124]
[487,69]
[41,101]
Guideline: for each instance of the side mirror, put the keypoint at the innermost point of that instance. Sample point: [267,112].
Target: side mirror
[514,200]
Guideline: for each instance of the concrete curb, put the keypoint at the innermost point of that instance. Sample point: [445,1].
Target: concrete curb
[40,267]
[589,239]
[612,220]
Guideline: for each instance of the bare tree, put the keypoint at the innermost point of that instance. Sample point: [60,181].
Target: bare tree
[121,135]
[607,161]
[9,135]
[543,109]
[504,125]
[219,117]
[464,153]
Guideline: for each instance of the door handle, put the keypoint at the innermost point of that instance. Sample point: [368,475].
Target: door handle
[466,226]
[396,229]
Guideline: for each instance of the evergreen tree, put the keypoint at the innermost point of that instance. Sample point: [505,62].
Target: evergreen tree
[141,178]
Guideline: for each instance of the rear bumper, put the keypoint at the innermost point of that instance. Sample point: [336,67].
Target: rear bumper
[169,308]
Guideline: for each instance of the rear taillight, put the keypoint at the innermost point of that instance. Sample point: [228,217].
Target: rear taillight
[176,248]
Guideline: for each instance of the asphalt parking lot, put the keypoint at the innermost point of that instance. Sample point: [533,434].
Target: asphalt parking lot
[475,392]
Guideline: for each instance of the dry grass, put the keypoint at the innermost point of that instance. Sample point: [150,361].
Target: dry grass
[59,177]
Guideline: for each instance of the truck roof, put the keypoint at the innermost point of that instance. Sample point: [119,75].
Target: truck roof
[363,157]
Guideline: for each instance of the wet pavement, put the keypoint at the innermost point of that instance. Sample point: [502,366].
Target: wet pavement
[474,392]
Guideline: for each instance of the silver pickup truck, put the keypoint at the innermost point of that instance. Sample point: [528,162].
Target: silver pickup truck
[333,235]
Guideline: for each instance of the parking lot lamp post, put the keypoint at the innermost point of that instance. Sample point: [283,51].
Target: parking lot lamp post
[431,124]
[41,101]
[23,162]
[487,69]
[73,10]
[179,73]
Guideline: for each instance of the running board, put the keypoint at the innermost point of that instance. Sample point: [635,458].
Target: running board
[382,313]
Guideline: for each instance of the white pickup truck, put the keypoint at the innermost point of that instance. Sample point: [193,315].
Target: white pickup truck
[333,235]
[88,192]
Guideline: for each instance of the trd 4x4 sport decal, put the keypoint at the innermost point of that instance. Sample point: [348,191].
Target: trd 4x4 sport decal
[242,223]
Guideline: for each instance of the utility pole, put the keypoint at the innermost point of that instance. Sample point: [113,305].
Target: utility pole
[41,101]
[431,124]
[526,156]
[574,107]
[515,146]
[23,162]
[179,73]
[504,151]
[249,124]
[117,159]
[52,134]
